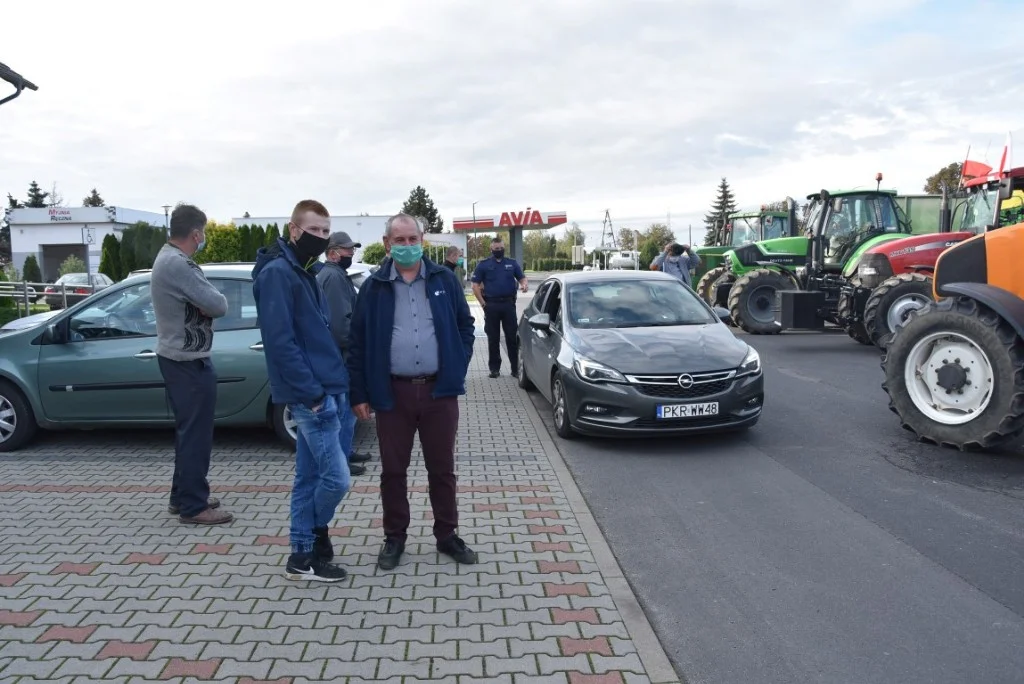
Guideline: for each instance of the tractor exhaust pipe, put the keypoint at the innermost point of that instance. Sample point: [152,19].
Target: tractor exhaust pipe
[945,215]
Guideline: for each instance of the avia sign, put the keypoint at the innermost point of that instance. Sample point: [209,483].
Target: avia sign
[528,219]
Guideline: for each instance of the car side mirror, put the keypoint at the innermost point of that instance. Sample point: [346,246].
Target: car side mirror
[723,314]
[541,321]
[51,335]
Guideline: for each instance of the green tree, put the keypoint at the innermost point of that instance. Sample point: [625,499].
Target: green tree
[724,204]
[256,241]
[36,197]
[420,205]
[30,271]
[157,240]
[110,258]
[950,175]
[72,264]
[373,254]
[273,233]
[127,251]
[573,235]
[245,243]
[659,233]
[93,199]
[648,252]
[222,245]
[626,237]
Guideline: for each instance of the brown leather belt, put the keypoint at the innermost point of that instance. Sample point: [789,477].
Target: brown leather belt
[416,380]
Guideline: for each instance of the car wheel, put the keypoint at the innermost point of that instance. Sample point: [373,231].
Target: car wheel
[524,380]
[284,425]
[560,409]
[17,423]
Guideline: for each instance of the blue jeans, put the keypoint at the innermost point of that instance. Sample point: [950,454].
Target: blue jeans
[321,468]
[348,433]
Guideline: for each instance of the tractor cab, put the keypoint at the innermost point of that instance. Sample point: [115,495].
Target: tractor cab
[841,224]
[744,228]
[992,203]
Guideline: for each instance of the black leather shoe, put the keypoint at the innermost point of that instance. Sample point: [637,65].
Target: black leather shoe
[358,458]
[493,374]
[390,554]
[356,469]
[457,549]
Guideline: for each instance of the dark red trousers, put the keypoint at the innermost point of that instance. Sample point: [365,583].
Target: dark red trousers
[437,422]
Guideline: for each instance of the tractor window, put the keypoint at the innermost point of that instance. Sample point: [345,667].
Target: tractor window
[744,231]
[774,227]
[980,210]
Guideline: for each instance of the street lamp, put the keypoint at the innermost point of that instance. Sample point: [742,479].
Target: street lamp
[167,220]
[474,230]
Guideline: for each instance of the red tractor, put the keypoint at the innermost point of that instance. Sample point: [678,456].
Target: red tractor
[895,277]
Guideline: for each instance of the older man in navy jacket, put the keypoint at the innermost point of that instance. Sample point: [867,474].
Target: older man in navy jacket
[410,346]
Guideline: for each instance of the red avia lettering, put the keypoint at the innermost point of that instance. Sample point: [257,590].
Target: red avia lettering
[530,217]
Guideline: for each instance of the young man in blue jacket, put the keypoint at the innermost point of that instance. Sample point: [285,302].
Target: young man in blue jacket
[307,373]
[409,349]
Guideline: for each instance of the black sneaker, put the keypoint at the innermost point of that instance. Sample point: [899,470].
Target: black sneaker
[305,566]
[356,469]
[322,548]
[356,457]
[390,554]
[457,549]
[493,374]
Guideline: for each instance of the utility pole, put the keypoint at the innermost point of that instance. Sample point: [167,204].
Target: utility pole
[474,234]
[167,220]
[608,232]
[691,234]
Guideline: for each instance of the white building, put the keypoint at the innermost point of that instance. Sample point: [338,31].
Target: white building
[55,233]
[363,229]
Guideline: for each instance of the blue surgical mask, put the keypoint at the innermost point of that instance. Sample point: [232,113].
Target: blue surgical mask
[406,255]
[199,248]
[461,261]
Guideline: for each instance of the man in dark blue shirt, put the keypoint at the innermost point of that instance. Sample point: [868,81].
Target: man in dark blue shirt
[495,282]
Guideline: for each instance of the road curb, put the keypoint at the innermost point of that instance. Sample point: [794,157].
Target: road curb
[648,646]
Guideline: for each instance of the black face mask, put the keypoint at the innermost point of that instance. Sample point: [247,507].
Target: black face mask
[309,247]
[345,262]
[498,253]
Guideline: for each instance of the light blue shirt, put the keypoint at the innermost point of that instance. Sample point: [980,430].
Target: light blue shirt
[414,349]
[678,266]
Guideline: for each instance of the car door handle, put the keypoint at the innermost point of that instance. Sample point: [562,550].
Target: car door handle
[256,347]
[146,355]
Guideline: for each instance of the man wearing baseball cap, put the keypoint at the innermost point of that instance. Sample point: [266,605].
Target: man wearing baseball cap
[341,300]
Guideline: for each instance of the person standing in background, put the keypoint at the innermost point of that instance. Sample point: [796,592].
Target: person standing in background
[341,300]
[678,261]
[185,304]
[306,372]
[495,281]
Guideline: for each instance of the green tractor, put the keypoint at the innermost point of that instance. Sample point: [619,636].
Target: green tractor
[742,228]
[812,269]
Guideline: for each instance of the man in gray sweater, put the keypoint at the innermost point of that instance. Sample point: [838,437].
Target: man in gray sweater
[185,304]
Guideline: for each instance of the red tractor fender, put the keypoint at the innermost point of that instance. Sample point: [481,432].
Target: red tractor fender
[917,253]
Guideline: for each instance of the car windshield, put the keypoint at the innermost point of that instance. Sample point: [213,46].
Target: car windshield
[635,304]
[126,299]
[744,230]
[980,209]
[74,279]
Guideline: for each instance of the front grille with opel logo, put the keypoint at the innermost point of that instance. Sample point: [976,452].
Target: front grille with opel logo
[684,385]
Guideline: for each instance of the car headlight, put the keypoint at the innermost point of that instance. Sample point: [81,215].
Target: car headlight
[751,364]
[592,371]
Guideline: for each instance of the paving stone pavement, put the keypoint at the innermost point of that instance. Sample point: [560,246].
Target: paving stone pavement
[99,583]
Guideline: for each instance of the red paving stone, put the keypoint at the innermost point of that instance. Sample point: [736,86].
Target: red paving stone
[250,680]
[341,531]
[577,589]
[485,508]
[552,546]
[607,678]
[125,649]
[11,580]
[571,647]
[547,529]
[200,669]
[145,559]
[74,569]
[76,635]
[19,618]
[561,617]
[531,515]
[264,540]
[567,566]
[212,548]
[537,499]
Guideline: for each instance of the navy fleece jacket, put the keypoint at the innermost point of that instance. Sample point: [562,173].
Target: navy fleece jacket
[303,360]
[369,358]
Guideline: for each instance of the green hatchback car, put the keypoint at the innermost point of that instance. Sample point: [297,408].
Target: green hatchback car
[94,365]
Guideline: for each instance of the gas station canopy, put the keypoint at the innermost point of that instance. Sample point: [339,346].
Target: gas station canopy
[531,219]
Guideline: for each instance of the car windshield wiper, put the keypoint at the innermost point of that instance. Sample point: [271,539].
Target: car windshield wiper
[660,324]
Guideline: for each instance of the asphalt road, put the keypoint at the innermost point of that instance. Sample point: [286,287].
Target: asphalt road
[826,544]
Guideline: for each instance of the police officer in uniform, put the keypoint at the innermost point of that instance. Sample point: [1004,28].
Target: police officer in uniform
[495,282]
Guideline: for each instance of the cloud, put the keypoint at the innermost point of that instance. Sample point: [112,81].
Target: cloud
[581,105]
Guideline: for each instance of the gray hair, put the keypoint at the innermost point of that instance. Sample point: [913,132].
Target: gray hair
[401,217]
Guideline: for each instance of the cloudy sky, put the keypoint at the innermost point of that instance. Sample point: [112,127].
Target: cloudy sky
[635,106]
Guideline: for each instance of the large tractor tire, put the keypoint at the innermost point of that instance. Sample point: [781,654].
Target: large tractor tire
[705,286]
[752,301]
[954,373]
[844,312]
[891,303]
